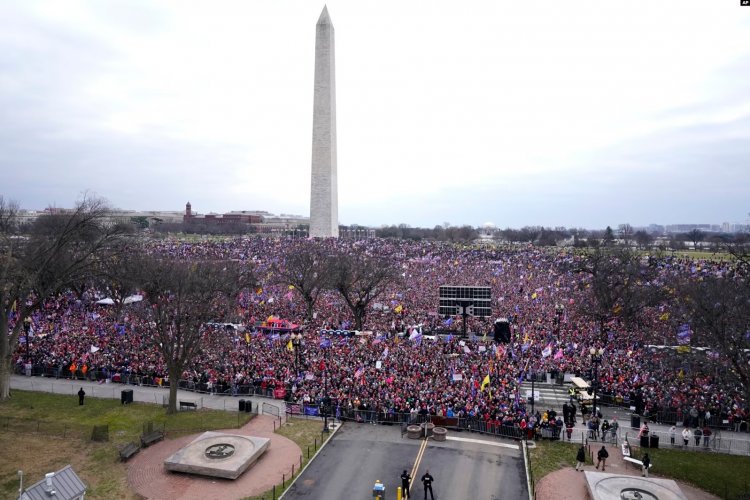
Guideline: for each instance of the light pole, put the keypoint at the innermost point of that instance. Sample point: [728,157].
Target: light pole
[596,359]
[326,346]
[296,345]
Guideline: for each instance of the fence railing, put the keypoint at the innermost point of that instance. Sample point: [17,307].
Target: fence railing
[718,441]
[219,389]
[470,424]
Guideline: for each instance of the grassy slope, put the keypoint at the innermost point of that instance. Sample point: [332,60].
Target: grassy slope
[42,432]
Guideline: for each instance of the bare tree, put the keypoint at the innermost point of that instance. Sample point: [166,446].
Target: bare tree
[306,269]
[180,297]
[643,239]
[620,285]
[718,309]
[360,279]
[694,236]
[61,251]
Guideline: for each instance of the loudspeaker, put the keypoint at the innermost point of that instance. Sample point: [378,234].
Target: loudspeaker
[502,330]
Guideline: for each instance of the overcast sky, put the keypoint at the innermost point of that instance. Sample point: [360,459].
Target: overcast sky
[580,113]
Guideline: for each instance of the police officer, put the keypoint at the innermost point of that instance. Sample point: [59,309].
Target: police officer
[405,480]
[427,480]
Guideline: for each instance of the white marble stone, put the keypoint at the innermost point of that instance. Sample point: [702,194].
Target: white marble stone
[193,458]
[324,216]
[603,486]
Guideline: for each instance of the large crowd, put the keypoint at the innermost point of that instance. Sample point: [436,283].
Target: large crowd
[398,366]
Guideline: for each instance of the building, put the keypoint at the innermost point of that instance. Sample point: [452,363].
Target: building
[257,220]
[61,485]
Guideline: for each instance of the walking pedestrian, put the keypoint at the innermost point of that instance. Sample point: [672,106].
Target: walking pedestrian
[580,459]
[602,456]
[427,480]
[405,480]
[697,435]
[646,464]
[81,394]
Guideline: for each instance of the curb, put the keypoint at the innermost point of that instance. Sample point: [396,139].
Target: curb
[312,459]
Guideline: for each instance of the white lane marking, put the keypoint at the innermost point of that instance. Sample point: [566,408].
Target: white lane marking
[481,441]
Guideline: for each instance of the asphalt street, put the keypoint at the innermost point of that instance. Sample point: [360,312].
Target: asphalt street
[465,466]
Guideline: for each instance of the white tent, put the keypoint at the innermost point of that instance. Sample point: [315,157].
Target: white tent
[133,298]
[105,302]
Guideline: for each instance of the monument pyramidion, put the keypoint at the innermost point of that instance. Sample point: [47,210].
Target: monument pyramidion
[324,210]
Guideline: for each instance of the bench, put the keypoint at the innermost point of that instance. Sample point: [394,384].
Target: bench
[128,451]
[151,438]
[636,462]
[188,405]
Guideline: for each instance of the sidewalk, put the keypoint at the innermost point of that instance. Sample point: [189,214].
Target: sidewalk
[141,394]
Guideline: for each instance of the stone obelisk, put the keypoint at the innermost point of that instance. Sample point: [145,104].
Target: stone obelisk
[324,204]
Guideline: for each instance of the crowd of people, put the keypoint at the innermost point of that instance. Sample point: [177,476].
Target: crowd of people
[398,367]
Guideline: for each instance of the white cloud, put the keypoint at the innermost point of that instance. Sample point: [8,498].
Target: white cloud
[437,102]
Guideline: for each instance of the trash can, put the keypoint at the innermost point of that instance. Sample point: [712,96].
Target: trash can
[644,442]
[126,396]
[654,441]
[560,379]
[248,405]
[635,421]
[242,405]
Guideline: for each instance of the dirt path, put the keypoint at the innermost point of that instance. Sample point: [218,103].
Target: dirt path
[148,478]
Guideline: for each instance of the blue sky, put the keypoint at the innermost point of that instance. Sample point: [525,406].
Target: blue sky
[553,113]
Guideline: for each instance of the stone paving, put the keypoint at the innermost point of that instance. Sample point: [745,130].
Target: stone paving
[148,478]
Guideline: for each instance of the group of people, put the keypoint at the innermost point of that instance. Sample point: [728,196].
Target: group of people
[397,367]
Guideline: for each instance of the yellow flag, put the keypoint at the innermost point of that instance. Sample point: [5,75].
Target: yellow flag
[247,337]
[289,346]
[486,381]
[399,308]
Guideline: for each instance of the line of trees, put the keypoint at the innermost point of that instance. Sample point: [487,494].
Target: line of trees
[82,248]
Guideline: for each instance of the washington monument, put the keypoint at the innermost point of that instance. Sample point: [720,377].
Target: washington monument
[324,203]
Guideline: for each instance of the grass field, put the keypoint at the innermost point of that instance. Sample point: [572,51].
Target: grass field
[726,476]
[42,432]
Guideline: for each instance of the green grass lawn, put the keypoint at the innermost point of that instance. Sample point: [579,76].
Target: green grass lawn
[41,432]
[549,456]
[726,476]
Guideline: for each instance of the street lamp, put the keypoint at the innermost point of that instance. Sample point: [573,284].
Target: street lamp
[296,345]
[326,345]
[559,311]
[596,359]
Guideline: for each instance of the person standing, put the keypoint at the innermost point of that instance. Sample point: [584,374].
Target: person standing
[646,464]
[580,459]
[706,435]
[602,456]
[81,394]
[697,434]
[672,432]
[405,480]
[427,480]
[685,436]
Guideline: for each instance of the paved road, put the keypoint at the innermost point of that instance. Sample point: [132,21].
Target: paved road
[141,394]
[471,466]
